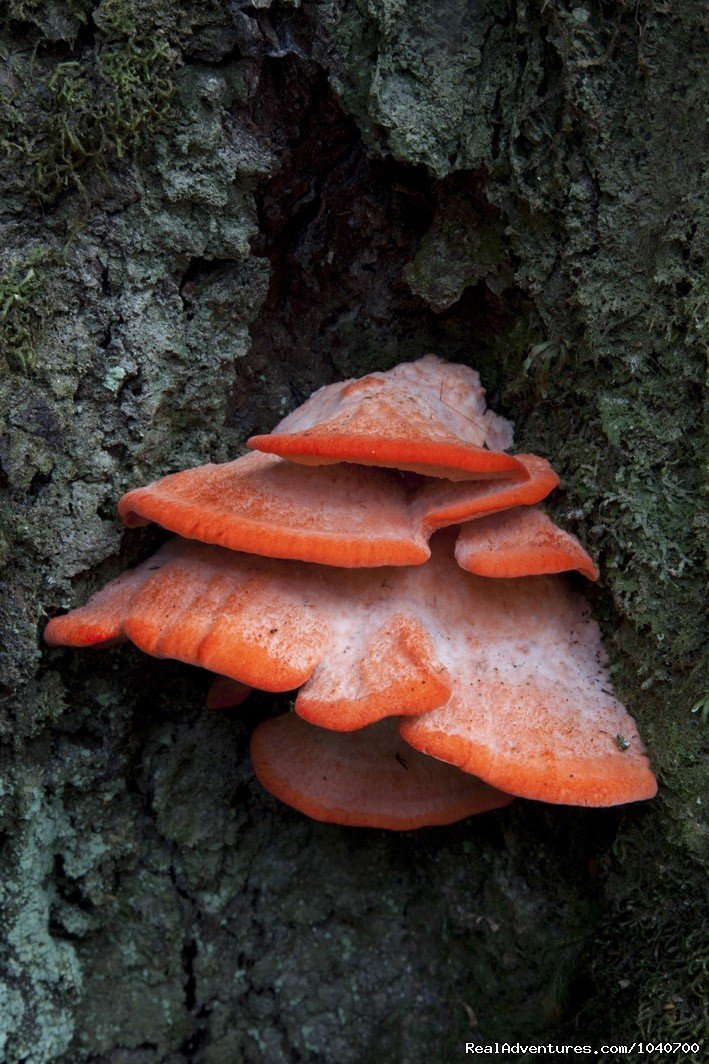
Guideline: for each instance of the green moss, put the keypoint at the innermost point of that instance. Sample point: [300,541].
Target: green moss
[65,120]
[544,360]
[653,953]
[21,313]
[56,19]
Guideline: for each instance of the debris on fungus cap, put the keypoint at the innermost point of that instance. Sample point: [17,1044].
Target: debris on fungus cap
[368,778]
[344,515]
[520,542]
[427,416]
[361,641]
[226,693]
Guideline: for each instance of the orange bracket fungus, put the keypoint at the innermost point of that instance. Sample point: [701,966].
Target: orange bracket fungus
[351,637]
[368,778]
[520,543]
[344,515]
[440,503]
[426,692]
[427,416]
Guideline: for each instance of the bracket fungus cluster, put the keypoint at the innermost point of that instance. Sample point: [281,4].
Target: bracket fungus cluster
[381,552]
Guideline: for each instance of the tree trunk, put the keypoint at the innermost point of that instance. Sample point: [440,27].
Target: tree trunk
[209,210]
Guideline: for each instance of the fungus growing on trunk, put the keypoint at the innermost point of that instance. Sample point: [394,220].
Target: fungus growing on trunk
[427,416]
[368,778]
[532,710]
[522,542]
[323,579]
[440,503]
[353,638]
[344,515]
[515,665]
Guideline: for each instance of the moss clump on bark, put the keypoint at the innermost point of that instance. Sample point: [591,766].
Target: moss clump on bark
[21,313]
[65,120]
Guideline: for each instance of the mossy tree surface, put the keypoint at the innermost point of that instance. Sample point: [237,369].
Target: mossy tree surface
[208,210]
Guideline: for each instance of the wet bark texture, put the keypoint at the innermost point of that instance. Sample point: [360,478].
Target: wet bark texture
[210,209]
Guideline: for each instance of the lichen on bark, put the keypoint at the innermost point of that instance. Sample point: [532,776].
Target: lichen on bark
[284,194]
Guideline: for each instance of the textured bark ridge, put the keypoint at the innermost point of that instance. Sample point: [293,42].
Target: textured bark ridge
[209,210]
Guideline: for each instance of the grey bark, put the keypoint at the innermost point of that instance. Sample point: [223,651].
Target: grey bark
[209,210]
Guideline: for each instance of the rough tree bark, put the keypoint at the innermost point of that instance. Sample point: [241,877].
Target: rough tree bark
[209,209]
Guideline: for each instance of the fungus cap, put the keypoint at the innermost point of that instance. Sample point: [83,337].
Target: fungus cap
[532,710]
[520,542]
[226,693]
[368,778]
[353,637]
[427,416]
[508,676]
[440,503]
[343,515]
